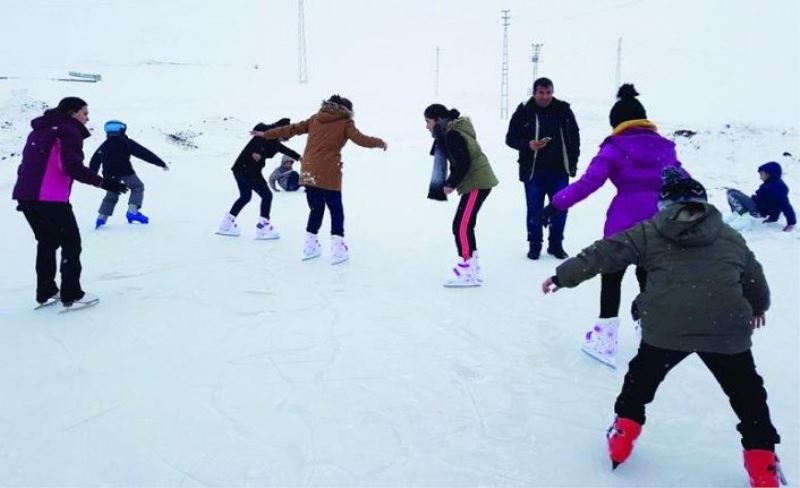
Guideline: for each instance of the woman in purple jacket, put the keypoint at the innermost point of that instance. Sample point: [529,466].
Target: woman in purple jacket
[632,157]
[51,160]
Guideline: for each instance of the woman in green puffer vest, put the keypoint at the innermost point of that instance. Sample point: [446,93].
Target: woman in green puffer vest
[471,176]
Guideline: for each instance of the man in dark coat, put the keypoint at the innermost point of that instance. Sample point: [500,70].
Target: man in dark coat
[546,134]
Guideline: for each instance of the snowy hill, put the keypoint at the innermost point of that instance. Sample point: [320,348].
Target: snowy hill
[218,361]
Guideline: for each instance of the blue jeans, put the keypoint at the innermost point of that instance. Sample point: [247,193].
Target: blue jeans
[317,199]
[545,183]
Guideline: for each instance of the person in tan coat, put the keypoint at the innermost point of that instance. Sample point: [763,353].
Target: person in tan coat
[321,168]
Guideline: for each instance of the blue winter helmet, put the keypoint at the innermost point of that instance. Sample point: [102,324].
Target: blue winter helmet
[115,127]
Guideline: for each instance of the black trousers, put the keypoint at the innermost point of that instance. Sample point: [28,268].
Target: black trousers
[318,199]
[611,288]
[735,373]
[54,226]
[247,185]
[465,219]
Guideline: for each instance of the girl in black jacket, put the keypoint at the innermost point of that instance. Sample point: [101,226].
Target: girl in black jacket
[247,172]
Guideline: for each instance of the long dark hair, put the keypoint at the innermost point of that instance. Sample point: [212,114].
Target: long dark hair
[68,106]
[438,111]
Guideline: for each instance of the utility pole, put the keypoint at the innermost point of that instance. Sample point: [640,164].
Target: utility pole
[302,67]
[506,17]
[619,64]
[436,83]
[536,56]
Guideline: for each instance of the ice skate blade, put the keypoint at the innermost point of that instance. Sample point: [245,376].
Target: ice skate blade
[79,306]
[599,359]
[462,285]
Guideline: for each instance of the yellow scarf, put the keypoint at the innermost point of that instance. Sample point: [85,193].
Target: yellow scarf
[629,124]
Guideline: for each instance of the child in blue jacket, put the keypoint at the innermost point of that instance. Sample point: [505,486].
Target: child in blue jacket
[770,200]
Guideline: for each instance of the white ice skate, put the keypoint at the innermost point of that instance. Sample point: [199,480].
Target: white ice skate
[601,341]
[637,330]
[228,226]
[476,265]
[265,230]
[311,248]
[339,251]
[50,301]
[464,276]
[88,300]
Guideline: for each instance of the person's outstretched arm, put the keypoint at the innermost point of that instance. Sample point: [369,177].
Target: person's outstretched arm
[594,177]
[284,132]
[362,140]
[288,151]
[604,256]
[145,154]
[72,160]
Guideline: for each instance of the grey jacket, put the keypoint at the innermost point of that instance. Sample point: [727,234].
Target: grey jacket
[279,176]
[703,282]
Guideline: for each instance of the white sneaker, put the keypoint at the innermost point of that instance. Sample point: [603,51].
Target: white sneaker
[601,341]
[312,247]
[339,251]
[463,276]
[228,226]
[265,230]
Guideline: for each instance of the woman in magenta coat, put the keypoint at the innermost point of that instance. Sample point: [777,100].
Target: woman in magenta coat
[632,158]
[51,161]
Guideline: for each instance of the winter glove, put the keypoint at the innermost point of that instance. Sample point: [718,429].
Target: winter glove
[165,167]
[548,213]
[113,186]
[573,172]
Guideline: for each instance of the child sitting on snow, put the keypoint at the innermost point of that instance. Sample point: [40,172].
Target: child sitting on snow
[771,198]
[705,293]
[285,176]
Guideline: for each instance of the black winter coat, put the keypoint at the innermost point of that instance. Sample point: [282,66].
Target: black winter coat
[524,128]
[114,155]
[266,149]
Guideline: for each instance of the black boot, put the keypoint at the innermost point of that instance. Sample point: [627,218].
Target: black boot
[557,251]
[534,250]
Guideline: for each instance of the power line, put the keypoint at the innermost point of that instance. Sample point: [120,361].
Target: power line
[302,67]
[436,83]
[618,79]
[506,17]
[536,56]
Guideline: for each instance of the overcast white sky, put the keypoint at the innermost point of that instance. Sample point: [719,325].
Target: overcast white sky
[699,60]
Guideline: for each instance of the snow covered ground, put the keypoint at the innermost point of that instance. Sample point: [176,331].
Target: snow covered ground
[218,361]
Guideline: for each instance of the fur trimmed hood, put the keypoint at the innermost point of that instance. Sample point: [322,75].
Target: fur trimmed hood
[334,108]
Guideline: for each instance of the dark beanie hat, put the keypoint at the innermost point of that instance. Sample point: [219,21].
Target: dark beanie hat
[438,111]
[627,106]
[678,187]
[340,100]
